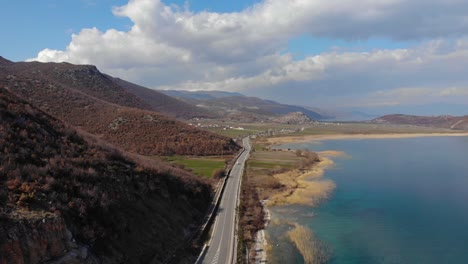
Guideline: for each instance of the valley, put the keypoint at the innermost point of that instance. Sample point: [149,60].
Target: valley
[103,160]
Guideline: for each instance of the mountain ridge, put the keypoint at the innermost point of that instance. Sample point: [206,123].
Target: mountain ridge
[237,106]
[163,103]
[441,121]
[85,98]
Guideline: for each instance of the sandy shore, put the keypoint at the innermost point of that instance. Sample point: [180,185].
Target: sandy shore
[308,138]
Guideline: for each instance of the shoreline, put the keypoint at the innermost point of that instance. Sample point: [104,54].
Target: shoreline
[261,243]
[314,138]
[303,186]
[315,173]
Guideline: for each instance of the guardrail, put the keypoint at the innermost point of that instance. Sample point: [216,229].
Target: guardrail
[213,210]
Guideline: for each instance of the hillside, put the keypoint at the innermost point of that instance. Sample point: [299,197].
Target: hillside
[445,121]
[87,99]
[84,79]
[162,103]
[73,200]
[236,105]
[199,95]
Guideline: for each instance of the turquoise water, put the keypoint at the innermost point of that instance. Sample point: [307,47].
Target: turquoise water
[396,201]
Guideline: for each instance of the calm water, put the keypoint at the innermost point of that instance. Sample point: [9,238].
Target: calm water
[396,201]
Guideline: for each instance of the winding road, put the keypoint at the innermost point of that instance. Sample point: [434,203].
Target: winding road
[222,247]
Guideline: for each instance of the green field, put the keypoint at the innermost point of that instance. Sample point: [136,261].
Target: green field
[201,166]
[264,162]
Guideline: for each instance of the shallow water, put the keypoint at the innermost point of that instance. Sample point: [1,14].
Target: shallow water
[396,201]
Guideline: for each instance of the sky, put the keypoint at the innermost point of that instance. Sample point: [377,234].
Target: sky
[376,56]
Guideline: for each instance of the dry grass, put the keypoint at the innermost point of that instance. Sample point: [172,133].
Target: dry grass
[304,186]
[262,182]
[312,250]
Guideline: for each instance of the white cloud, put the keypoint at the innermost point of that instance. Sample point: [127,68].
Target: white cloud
[170,47]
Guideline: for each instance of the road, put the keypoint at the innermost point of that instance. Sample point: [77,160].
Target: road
[223,244]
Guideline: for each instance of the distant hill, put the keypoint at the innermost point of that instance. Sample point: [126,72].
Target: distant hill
[343,114]
[238,107]
[444,121]
[85,98]
[163,103]
[296,118]
[199,95]
[71,199]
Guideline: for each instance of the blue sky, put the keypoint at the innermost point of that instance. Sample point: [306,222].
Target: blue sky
[35,25]
[375,56]
[50,23]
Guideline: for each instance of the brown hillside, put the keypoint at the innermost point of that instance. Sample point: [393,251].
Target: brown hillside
[56,187]
[162,103]
[141,131]
[81,78]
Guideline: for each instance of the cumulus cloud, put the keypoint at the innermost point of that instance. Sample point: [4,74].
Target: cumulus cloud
[176,48]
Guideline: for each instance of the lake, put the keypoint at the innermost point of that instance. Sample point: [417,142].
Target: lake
[396,201]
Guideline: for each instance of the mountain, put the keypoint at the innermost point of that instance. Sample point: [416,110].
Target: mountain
[5,62]
[67,198]
[254,105]
[443,121]
[86,80]
[87,99]
[239,106]
[236,106]
[199,95]
[163,103]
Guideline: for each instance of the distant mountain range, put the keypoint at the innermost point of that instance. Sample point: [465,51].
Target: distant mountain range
[443,121]
[199,95]
[236,106]
[160,102]
[120,113]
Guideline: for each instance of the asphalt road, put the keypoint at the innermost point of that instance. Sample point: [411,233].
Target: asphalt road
[223,244]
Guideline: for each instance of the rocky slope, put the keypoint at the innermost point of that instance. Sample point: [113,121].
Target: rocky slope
[85,98]
[67,198]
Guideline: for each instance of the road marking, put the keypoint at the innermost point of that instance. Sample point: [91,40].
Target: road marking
[228,210]
[216,257]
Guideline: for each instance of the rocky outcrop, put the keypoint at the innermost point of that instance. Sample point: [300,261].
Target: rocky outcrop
[295,118]
[38,237]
